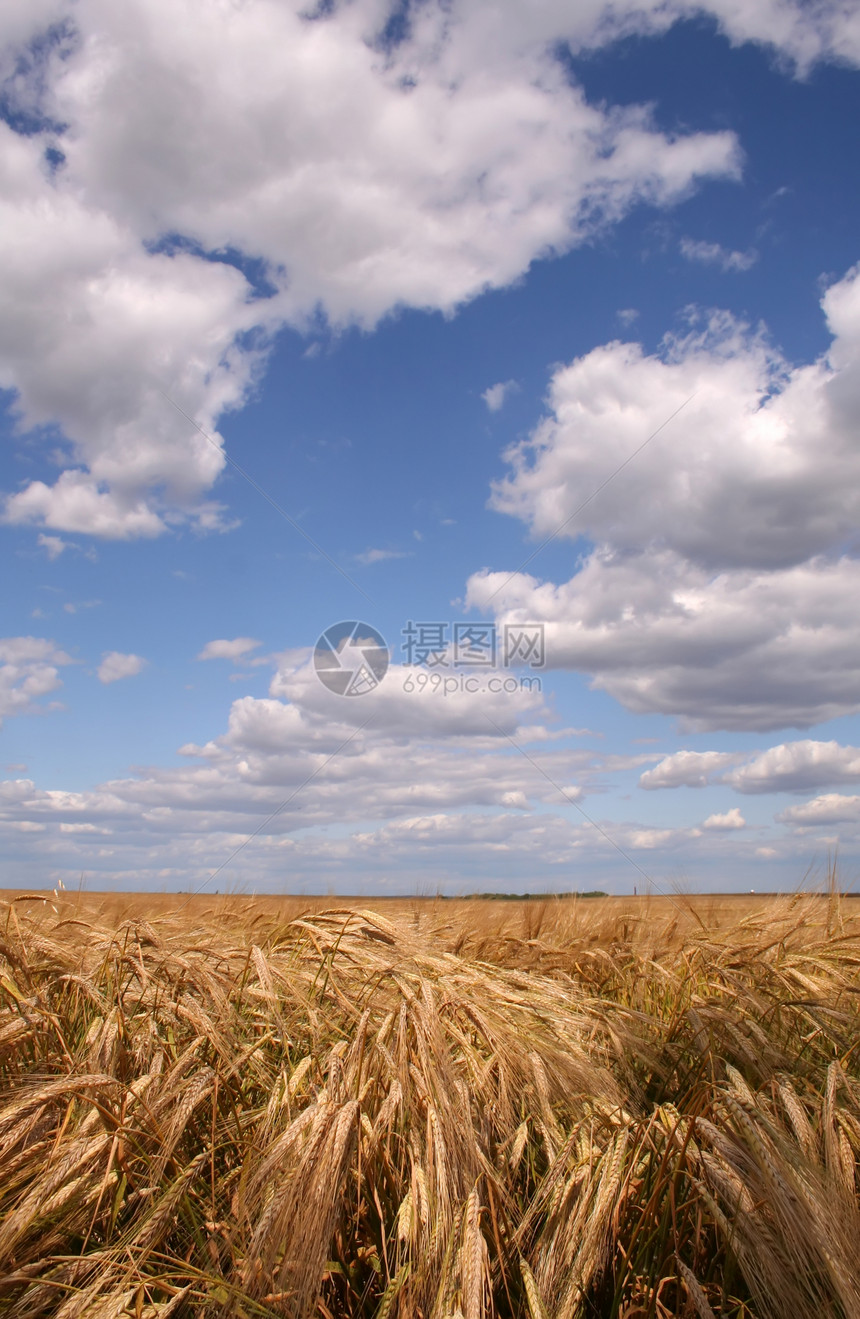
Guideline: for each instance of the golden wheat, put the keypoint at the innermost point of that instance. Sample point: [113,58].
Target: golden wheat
[450,1110]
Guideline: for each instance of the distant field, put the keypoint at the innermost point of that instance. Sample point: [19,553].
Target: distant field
[712,908]
[429,1109]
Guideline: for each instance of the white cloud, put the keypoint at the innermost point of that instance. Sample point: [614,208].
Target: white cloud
[740,650]
[785,489]
[95,328]
[830,808]
[361,176]
[731,819]
[802,33]
[495,396]
[329,772]
[627,315]
[201,812]
[446,832]
[404,705]
[430,190]
[789,767]
[361,180]
[115,666]
[28,671]
[52,545]
[466,804]
[235,650]
[797,767]
[713,254]
[719,587]
[799,32]
[466,783]
[649,840]
[449,838]
[380,556]
[691,769]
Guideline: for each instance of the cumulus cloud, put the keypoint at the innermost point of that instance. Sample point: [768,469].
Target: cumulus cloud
[462,803]
[439,169]
[731,819]
[115,666]
[403,705]
[732,650]
[361,175]
[648,840]
[318,755]
[495,396]
[722,575]
[830,808]
[318,781]
[28,670]
[96,327]
[317,763]
[785,489]
[235,650]
[797,767]
[690,769]
[713,254]
[789,767]
[355,175]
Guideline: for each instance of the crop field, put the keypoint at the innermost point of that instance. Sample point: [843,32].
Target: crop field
[429,1109]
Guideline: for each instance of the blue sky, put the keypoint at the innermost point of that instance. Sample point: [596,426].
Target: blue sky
[430,292]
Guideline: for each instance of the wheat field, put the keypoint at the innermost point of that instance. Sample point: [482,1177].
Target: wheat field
[429,1110]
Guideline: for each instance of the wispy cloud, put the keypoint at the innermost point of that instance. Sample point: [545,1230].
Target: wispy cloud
[713,254]
[379,556]
[52,545]
[495,396]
